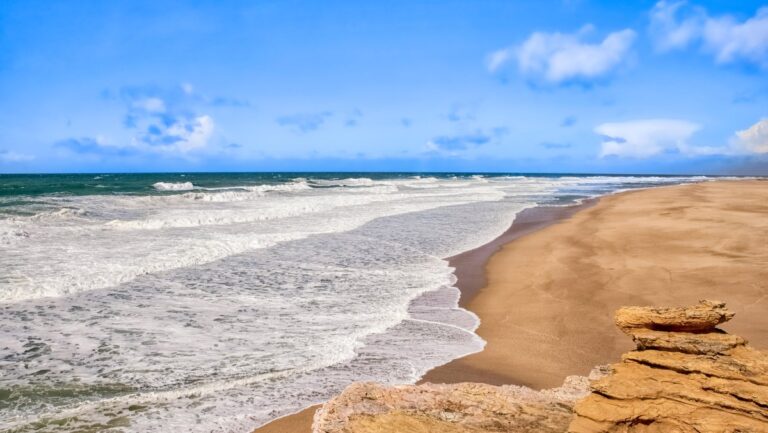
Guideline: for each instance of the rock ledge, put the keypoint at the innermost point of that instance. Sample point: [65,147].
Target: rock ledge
[454,408]
[685,376]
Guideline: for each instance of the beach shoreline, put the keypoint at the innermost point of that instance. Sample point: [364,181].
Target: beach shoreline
[547,310]
[469,270]
[546,291]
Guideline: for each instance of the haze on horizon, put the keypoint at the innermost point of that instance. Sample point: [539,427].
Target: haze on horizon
[554,86]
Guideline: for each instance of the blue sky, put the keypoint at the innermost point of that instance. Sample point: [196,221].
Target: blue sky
[558,86]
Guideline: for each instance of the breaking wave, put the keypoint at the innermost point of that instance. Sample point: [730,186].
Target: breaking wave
[173,186]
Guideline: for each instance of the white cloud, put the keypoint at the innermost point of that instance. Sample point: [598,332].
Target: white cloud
[499,58]
[674,25]
[163,121]
[182,136]
[150,105]
[192,135]
[731,40]
[560,57]
[645,138]
[667,32]
[753,139]
[11,156]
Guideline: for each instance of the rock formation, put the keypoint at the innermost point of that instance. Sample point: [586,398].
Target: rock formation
[456,408]
[685,376]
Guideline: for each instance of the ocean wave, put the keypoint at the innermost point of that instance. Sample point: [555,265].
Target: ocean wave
[296,185]
[244,193]
[103,254]
[173,186]
[373,189]
[274,209]
[352,181]
[58,214]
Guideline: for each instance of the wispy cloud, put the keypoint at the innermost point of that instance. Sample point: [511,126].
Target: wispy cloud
[499,58]
[677,25]
[94,146]
[184,94]
[749,96]
[304,122]
[10,156]
[460,113]
[553,145]
[569,121]
[460,142]
[224,101]
[669,33]
[456,144]
[353,118]
[564,57]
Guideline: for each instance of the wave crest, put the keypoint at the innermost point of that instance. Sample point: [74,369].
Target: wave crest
[173,186]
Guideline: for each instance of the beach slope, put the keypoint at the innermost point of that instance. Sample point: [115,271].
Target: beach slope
[547,308]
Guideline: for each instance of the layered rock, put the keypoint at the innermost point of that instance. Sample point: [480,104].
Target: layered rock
[685,376]
[703,317]
[455,408]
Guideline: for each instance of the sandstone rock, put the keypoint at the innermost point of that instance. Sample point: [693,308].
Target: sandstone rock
[455,408]
[700,318]
[695,378]
[709,344]
[686,376]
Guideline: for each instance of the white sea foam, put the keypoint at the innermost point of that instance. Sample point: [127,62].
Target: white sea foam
[166,232]
[173,186]
[352,181]
[243,193]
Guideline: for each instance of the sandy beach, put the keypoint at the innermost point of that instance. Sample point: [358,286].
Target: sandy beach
[547,294]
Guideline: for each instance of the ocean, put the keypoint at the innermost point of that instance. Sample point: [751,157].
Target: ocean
[209,302]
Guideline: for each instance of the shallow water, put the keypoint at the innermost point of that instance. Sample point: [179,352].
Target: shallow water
[216,302]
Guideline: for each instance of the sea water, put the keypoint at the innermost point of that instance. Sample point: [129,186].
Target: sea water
[217,302]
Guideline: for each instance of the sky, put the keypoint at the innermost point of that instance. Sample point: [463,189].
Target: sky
[573,86]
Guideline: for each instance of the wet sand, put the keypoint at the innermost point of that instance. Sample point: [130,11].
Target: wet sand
[546,298]
[300,422]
